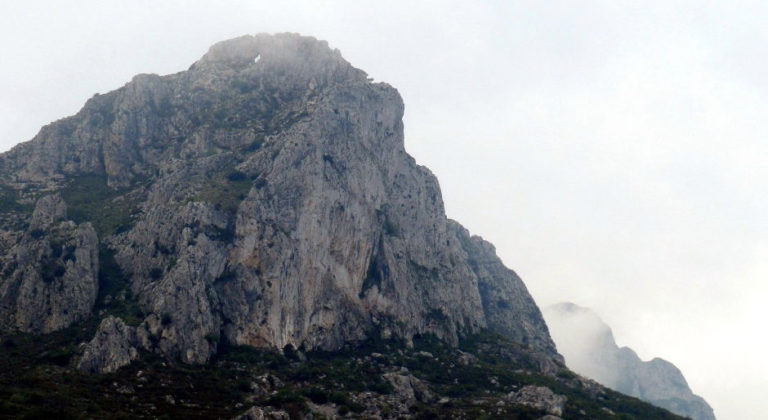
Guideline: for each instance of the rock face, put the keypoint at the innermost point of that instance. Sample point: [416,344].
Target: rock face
[589,349]
[257,413]
[264,197]
[49,271]
[540,397]
[409,389]
[113,347]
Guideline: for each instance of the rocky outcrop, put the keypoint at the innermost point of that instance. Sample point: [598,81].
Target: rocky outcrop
[409,389]
[268,200]
[113,347]
[539,397]
[508,306]
[49,273]
[589,349]
[259,413]
[174,276]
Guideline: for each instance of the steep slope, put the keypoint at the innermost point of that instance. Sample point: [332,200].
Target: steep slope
[589,349]
[261,198]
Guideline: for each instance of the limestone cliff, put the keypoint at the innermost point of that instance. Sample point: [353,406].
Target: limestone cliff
[49,271]
[262,197]
[589,349]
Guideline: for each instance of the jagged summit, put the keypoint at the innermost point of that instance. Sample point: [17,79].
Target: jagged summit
[302,58]
[227,93]
[590,349]
[263,197]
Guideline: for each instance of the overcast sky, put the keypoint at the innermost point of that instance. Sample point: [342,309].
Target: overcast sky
[615,152]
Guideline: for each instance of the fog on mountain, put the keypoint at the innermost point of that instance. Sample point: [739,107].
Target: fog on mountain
[589,349]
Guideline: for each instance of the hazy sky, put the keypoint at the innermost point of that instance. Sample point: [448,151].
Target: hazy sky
[614,151]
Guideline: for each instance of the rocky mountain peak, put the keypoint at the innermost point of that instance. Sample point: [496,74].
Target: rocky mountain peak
[300,58]
[261,198]
[259,212]
[241,92]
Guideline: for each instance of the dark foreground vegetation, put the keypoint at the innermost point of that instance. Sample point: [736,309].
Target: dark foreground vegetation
[37,380]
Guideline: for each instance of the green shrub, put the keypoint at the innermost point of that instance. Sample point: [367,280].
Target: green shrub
[285,397]
[9,201]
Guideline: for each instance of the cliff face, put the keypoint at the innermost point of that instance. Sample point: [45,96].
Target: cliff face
[263,197]
[589,349]
[49,271]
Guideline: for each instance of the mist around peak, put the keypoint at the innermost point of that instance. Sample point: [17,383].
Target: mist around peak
[589,348]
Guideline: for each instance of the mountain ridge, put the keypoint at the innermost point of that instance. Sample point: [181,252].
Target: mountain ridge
[596,355]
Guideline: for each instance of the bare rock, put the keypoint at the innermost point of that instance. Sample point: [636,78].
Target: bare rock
[175,285]
[509,308]
[466,359]
[50,274]
[48,211]
[253,413]
[409,389]
[539,397]
[113,347]
[259,413]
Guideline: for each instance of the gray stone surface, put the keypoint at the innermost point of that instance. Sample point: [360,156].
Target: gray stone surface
[113,347]
[409,389]
[259,413]
[49,272]
[540,397]
[253,413]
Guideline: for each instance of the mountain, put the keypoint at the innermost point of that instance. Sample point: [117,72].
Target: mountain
[257,216]
[589,349]
[264,198]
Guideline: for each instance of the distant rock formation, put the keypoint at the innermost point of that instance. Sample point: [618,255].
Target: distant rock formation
[113,347]
[589,349]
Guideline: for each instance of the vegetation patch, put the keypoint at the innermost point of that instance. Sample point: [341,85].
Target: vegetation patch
[115,297]
[9,201]
[90,199]
[37,378]
[225,190]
